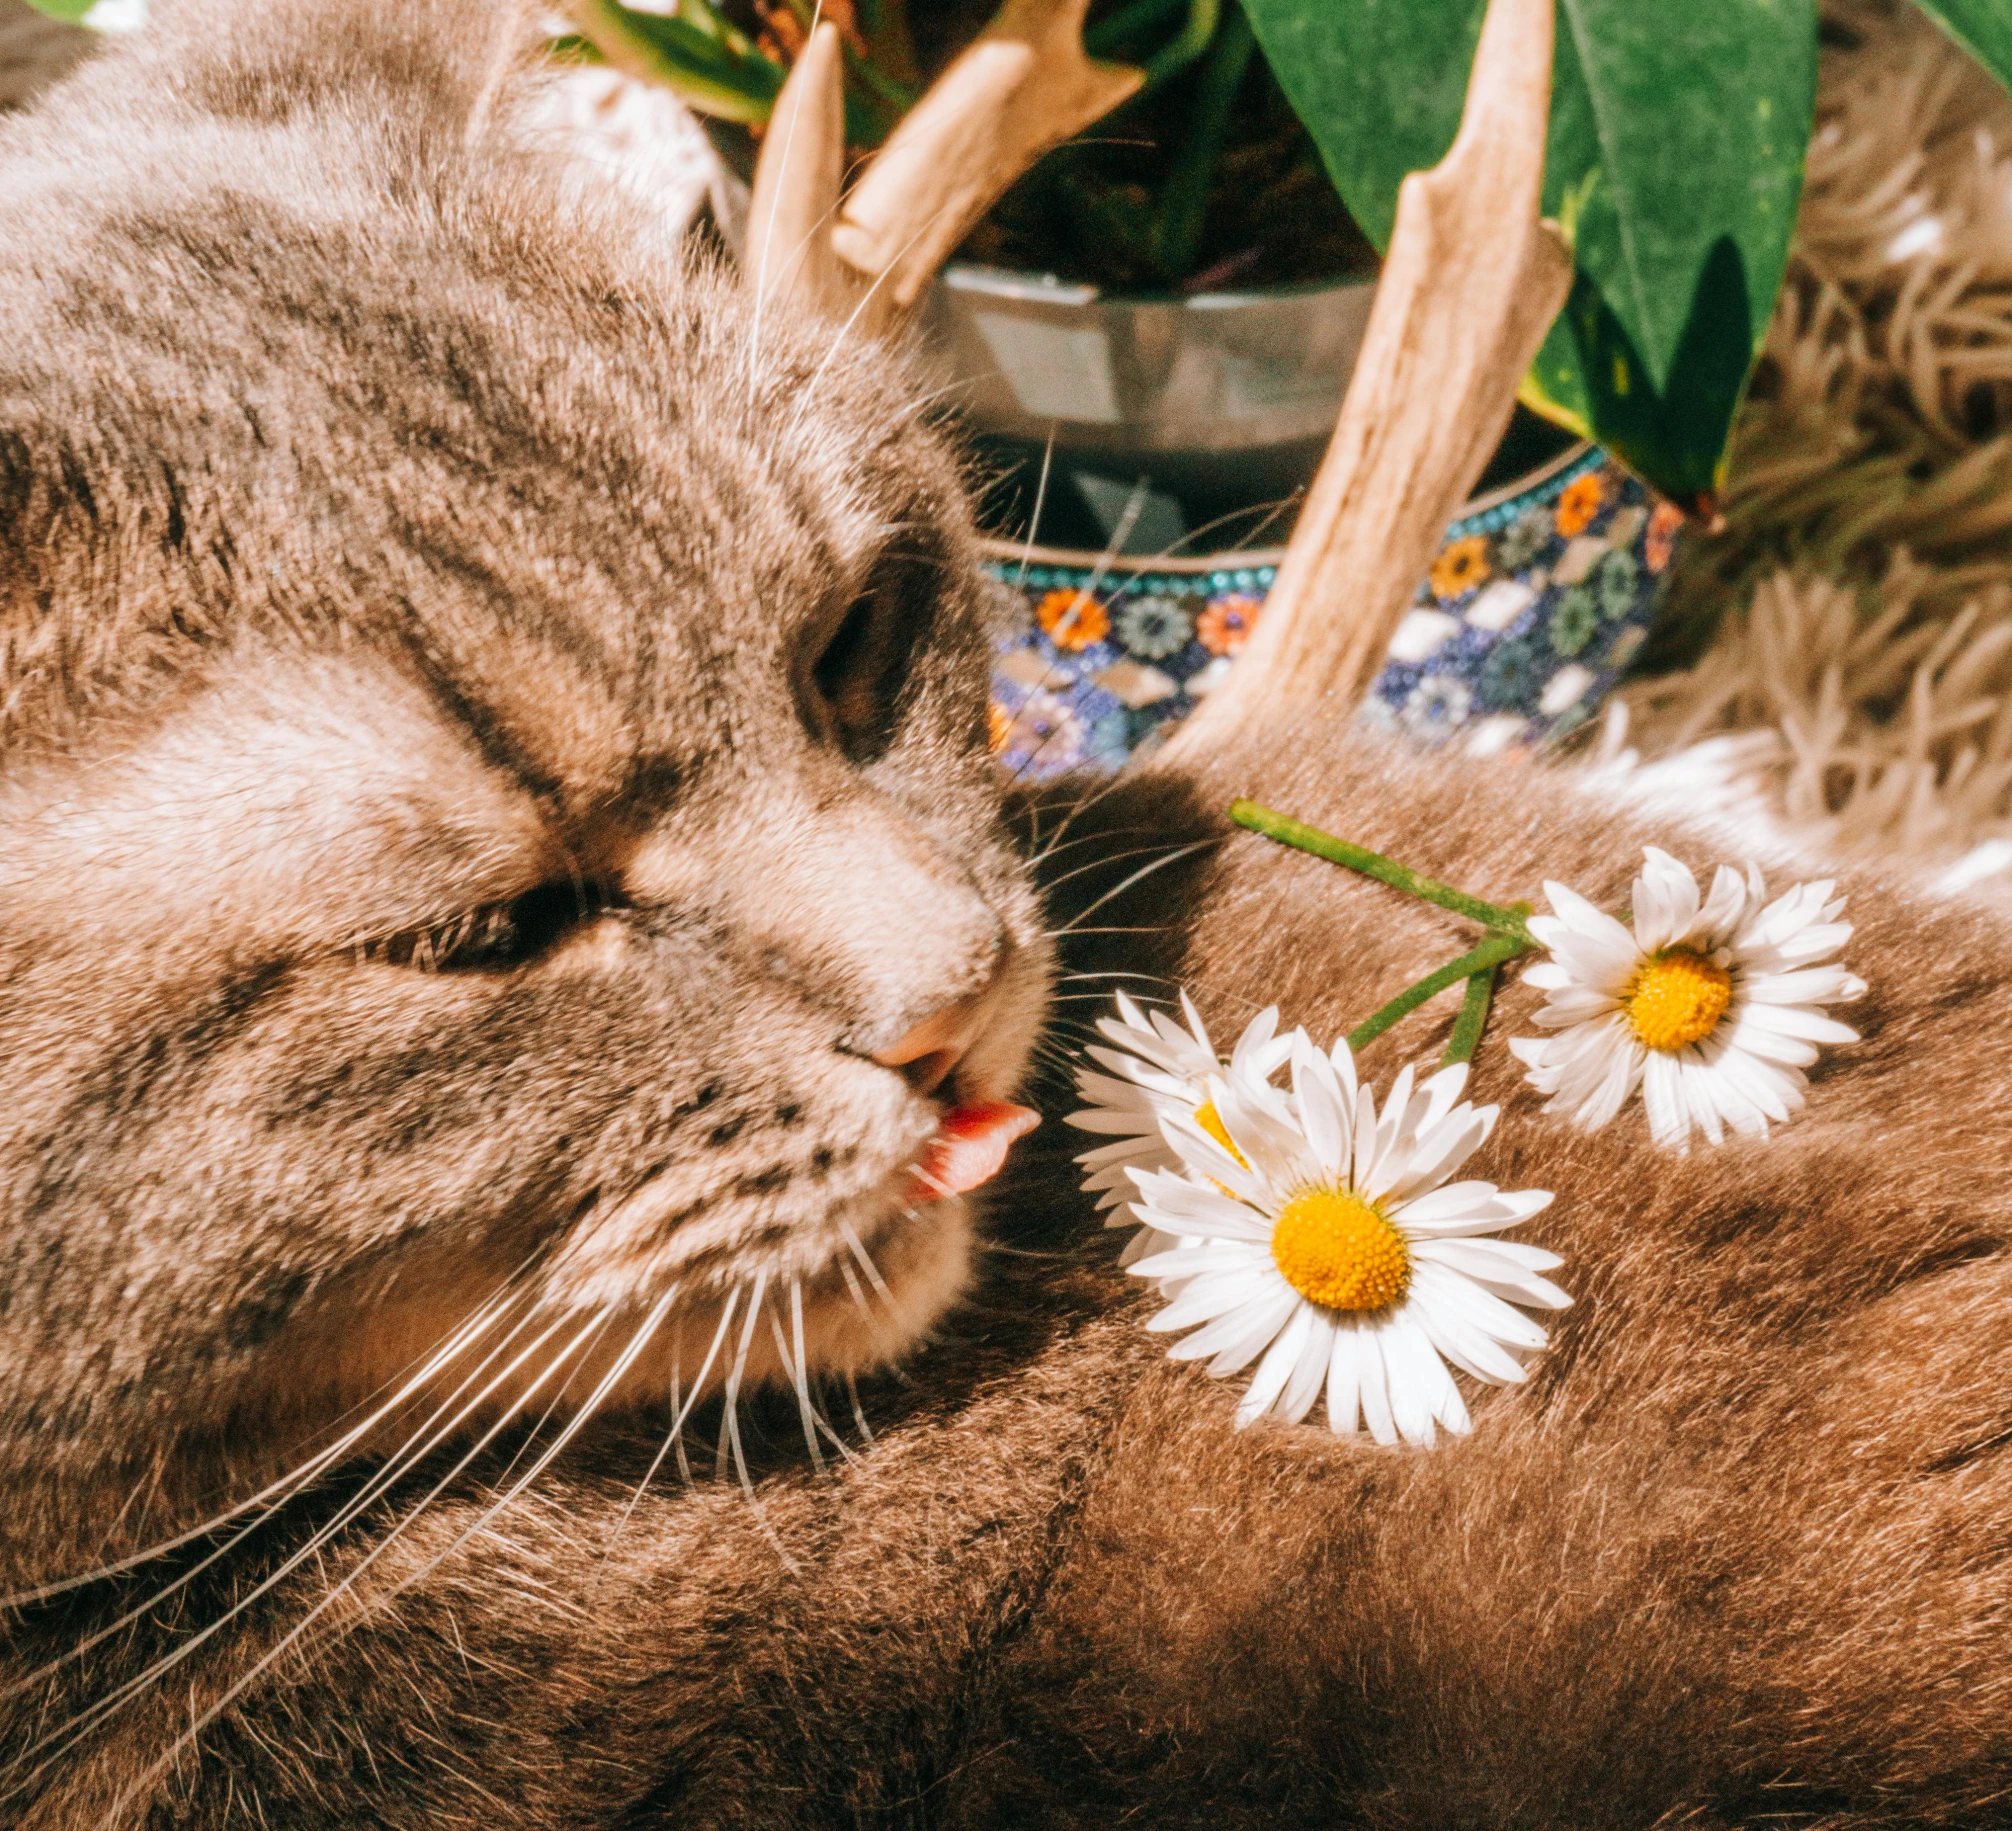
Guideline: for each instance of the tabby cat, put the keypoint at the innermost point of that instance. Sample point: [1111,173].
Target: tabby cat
[511,951]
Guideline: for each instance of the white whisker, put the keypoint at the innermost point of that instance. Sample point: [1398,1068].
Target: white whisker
[858,1416]
[1144,871]
[395,1465]
[858,1296]
[866,1263]
[943,1190]
[285,1486]
[103,1708]
[239,1685]
[798,1370]
[1040,502]
[733,1426]
[809,390]
[679,1412]
[730,1423]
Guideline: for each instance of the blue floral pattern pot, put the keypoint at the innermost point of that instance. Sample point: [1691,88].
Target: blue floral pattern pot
[1540,597]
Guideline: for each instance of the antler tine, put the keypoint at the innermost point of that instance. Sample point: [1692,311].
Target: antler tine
[1023,85]
[1470,285]
[797,179]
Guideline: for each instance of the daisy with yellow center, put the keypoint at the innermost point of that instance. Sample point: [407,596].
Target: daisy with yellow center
[1712,1006]
[1158,1067]
[1325,1242]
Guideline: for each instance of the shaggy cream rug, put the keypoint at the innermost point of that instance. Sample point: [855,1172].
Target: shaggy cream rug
[1857,683]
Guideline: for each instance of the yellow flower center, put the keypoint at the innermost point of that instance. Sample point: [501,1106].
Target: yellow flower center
[1339,1250]
[1676,997]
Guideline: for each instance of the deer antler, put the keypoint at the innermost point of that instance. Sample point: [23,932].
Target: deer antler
[1471,283]
[797,180]
[1023,85]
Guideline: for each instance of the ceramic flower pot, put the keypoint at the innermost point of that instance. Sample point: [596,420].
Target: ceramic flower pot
[1542,593]
[1164,413]
[1222,399]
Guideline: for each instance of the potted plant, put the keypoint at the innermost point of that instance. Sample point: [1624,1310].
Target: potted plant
[1154,324]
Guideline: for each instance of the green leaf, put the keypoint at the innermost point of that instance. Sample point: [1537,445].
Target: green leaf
[713,72]
[1981,27]
[71,12]
[1675,156]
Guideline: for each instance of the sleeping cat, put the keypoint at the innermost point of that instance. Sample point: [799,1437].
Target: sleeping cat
[510,954]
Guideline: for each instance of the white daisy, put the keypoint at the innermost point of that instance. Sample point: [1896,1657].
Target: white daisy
[1161,1068]
[1333,1245]
[1713,1009]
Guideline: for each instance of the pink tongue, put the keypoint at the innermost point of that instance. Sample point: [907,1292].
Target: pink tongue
[970,1145]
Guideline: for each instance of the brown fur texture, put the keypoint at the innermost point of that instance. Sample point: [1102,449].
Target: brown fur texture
[440,856]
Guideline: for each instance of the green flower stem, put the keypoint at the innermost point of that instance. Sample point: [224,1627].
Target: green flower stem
[1304,838]
[1483,959]
[1473,1019]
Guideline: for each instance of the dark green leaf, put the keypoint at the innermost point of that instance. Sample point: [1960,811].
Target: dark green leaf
[1675,155]
[1981,27]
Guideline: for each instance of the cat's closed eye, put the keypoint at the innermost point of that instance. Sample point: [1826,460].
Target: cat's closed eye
[498,937]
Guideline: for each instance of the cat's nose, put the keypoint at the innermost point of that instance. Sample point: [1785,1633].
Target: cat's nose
[927,1053]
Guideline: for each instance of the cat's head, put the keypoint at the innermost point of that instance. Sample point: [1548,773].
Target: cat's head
[494,796]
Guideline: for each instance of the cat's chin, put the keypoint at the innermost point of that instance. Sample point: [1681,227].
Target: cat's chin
[865,1309]
[856,1314]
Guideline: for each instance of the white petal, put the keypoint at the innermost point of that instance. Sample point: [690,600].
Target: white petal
[1198,1030]
[1797,1020]
[1204,1299]
[1466,1299]
[1421,1390]
[1254,1050]
[1771,1090]
[1762,1042]
[1234,1340]
[1134,1075]
[1204,1157]
[1310,1370]
[1343,1060]
[1344,1381]
[1719,919]
[1606,1098]
[1574,1004]
[1373,1381]
[1328,1122]
[1147,1241]
[1663,1099]
[1176,1205]
[1665,900]
[1583,918]
[1365,1137]
[1102,1119]
[1473,1350]
[1208,1256]
[1281,1361]
[1433,1158]
[1453,1202]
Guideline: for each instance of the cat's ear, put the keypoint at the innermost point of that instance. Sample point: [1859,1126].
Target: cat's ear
[1470,285]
